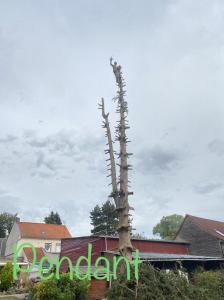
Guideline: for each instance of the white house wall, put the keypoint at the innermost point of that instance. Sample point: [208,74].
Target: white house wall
[13,238]
[40,243]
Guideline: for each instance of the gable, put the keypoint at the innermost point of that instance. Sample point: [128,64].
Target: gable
[12,239]
[212,227]
[201,241]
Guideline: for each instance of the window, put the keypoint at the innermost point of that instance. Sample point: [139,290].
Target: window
[58,248]
[48,247]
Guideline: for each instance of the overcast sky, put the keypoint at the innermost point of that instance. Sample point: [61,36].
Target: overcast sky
[54,68]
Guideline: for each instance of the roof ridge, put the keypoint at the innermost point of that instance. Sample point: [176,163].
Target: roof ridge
[191,216]
[27,222]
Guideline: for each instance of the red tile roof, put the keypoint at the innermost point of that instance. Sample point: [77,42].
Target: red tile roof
[29,254]
[43,231]
[215,228]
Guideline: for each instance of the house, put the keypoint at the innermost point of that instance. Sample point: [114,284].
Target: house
[106,246]
[46,238]
[75,247]
[163,254]
[205,236]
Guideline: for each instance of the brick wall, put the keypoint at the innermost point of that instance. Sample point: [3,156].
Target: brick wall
[98,289]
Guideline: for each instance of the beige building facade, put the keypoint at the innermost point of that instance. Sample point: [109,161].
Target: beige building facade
[42,236]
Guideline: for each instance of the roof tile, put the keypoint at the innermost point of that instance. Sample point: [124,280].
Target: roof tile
[29,254]
[215,228]
[43,231]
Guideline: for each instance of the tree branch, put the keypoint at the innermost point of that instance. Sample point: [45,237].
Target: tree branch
[110,152]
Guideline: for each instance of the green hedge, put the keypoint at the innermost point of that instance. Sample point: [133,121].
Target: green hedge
[62,289]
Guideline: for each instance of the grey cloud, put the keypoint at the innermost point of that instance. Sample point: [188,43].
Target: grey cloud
[66,142]
[8,139]
[42,174]
[157,159]
[80,147]
[39,143]
[9,203]
[42,161]
[60,142]
[56,154]
[207,188]
[2,192]
[44,167]
[17,153]
[217,146]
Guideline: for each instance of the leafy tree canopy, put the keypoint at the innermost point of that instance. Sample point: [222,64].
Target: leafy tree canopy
[168,226]
[104,219]
[53,218]
[6,222]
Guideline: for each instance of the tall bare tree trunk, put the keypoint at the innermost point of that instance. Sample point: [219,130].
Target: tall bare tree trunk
[120,191]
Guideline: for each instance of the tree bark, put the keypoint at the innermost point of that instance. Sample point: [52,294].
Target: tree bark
[120,195]
[110,151]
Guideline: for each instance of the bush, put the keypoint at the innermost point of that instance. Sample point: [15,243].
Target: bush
[62,289]
[211,284]
[45,290]
[154,284]
[6,277]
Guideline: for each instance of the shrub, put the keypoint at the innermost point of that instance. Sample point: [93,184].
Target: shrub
[6,277]
[158,284]
[211,284]
[154,284]
[45,290]
[62,289]
[82,287]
